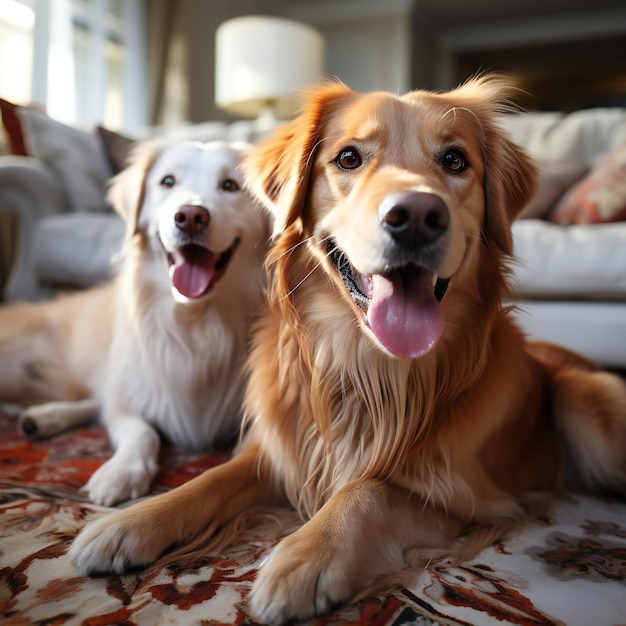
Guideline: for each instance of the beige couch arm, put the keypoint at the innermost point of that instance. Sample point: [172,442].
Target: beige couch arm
[29,191]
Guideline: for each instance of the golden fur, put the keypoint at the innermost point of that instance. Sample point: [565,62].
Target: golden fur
[391,459]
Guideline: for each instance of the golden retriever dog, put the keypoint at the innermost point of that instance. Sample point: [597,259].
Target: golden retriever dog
[392,400]
[161,347]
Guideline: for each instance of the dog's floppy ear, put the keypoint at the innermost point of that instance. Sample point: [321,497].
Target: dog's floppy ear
[278,169]
[510,183]
[128,188]
[510,174]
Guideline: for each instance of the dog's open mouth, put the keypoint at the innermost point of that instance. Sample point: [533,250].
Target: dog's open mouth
[401,307]
[195,270]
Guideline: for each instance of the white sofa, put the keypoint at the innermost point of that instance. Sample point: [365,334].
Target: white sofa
[571,280]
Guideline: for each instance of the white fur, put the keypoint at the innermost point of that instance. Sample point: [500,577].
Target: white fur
[150,359]
[175,363]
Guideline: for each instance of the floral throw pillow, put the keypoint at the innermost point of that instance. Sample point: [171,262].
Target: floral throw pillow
[598,198]
[555,178]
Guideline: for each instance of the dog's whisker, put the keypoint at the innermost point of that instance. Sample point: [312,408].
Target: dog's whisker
[293,289]
[290,250]
[317,265]
[314,150]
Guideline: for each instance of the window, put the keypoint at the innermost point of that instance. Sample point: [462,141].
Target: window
[80,59]
[17,21]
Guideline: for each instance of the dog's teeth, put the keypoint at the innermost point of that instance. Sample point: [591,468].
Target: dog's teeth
[435,279]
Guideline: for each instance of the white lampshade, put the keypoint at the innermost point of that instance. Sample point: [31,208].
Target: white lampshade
[262,61]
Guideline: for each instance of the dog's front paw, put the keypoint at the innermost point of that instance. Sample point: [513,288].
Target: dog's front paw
[115,543]
[116,481]
[299,580]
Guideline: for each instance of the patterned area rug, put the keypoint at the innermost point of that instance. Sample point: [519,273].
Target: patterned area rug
[569,570]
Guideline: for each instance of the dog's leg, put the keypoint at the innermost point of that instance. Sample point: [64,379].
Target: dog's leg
[590,412]
[129,472]
[33,367]
[140,534]
[356,538]
[52,418]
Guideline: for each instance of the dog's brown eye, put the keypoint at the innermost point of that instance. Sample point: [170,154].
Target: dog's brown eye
[230,185]
[348,159]
[168,181]
[454,161]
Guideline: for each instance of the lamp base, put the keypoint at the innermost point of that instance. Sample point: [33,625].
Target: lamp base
[266,120]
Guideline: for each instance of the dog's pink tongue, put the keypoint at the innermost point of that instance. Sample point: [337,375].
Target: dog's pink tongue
[193,271]
[403,313]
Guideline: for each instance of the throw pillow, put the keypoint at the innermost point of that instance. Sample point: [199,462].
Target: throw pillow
[76,157]
[13,128]
[116,148]
[555,177]
[598,198]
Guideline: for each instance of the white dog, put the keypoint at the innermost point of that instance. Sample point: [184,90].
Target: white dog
[159,350]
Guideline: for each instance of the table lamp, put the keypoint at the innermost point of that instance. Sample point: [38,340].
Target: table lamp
[262,62]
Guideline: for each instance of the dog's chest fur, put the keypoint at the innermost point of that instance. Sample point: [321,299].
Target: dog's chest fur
[348,394]
[174,368]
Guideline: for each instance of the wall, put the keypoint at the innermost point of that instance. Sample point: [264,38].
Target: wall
[368,42]
[368,47]
[183,35]
[573,48]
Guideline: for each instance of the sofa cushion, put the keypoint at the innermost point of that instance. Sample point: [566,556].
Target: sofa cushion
[77,249]
[75,156]
[560,262]
[599,197]
[555,178]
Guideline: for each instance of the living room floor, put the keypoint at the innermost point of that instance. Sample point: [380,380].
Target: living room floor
[569,568]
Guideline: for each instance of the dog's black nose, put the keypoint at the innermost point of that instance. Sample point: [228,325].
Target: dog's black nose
[414,218]
[192,218]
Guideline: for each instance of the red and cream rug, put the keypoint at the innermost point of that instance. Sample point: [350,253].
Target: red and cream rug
[568,570]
